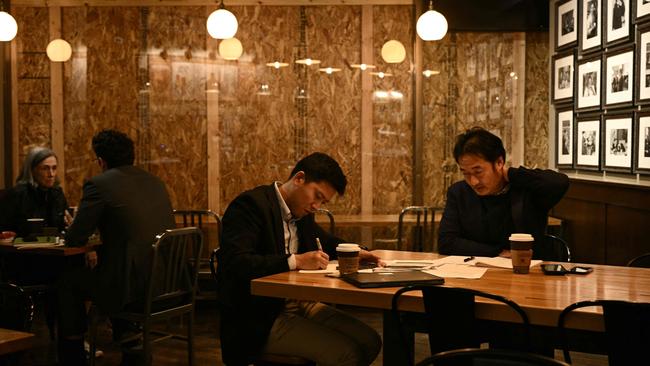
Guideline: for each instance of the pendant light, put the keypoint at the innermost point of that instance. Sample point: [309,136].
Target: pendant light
[8,25]
[59,50]
[222,24]
[431,26]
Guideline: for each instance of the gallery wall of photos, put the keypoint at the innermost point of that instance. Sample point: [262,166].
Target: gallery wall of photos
[600,85]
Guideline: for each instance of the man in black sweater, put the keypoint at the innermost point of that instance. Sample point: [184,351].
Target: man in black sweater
[495,201]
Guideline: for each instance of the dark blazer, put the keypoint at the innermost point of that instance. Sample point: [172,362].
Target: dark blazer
[532,194]
[252,246]
[130,207]
[25,201]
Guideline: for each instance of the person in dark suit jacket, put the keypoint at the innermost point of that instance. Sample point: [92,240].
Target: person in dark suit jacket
[495,201]
[130,207]
[269,230]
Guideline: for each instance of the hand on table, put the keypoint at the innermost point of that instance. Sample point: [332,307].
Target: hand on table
[316,259]
[91,259]
[505,253]
[67,218]
[366,256]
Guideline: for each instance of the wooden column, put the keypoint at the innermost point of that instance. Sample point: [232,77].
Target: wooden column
[56,97]
[15,152]
[519,99]
[212,127]
[366,119]
[418,118]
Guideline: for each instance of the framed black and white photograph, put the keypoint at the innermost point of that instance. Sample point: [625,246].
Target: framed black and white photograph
[588,80]
[587,141]
[617,142]
[618,21]
[642,83]
[564,138]
[619,77]
[590,25]
[562,78]
[642,139]
[566,30]
[642,10]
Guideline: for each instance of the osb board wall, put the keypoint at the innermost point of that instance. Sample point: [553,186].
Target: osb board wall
[392,117]
[173,116]
[536,112]
[474,88]
[33,71]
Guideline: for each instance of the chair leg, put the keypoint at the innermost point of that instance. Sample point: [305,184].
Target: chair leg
[190,338]
[92,335]
[146,343]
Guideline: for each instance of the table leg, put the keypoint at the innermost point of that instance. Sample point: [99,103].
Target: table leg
[394,352]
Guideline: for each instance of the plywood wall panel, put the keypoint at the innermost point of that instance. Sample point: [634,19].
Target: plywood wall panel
[35,65]
[176,59]
[393,116]
[334,113]
[536,112]
[34,127]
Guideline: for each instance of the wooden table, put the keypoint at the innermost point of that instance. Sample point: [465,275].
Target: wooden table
[14,341]
[62,251]
[542,297]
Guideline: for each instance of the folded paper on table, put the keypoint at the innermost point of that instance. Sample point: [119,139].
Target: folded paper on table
[498,262]
[413,263]
[38,245]
[331,268]
[451,270]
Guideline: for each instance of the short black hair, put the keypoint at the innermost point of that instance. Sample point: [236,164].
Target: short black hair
[114,147]
[319,167]
[479,141]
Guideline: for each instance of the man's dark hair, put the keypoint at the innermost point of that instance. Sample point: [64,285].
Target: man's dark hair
[478,141]
[114,147]
[321,167]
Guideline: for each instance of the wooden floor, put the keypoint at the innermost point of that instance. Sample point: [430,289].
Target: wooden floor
[207,347]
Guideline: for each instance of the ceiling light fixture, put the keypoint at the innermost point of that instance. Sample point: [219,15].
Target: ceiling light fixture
[59,50]
[393,52]
[277,64]
[329,70]
[8,25]
[363,67]
[308,61]
[222,24]
[431,26]
[381,74]
[428,73]
[230,49]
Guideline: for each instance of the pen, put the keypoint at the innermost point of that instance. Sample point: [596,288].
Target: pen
[320,247]
[468,259]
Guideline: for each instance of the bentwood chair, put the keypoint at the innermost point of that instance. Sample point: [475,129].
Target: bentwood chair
[489,357]
[449,320]
[642,261]
[330,217]
[627,330]
[556,249]
[171,292]
[16,308]
[423,231]
[210,224]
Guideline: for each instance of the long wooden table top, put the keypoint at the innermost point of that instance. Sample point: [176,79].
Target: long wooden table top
[383,220]
[60,251]
[542,297]
[14,341]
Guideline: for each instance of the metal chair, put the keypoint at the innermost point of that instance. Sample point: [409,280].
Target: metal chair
[210,224]
[16,308]
[330,216]
[266,359]
[555,249]
[489,356]
[452,310]
[423,231]
[642,261]
[171,291]
[627,330]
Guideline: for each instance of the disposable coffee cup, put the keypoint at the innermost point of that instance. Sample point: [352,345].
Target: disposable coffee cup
[348,255]
[34,228]
[521,252]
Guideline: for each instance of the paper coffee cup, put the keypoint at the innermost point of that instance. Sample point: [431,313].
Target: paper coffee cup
[348,255]
[521,252]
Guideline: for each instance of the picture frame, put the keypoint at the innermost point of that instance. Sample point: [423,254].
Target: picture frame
[619,76]
[642,82]
[564,141]
[588,84]
[642,10]
[587,138]
[591,25]
[642,142]
[618,24]
[562,77]
[618,142]
[566,29]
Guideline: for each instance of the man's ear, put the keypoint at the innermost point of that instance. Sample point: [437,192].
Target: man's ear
[499,163]
[299,177]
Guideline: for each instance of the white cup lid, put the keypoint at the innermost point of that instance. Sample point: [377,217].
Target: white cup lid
[348,249]
[348,245]
[521,237]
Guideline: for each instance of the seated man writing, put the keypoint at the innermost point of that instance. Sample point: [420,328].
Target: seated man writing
[269,230]
[495,201]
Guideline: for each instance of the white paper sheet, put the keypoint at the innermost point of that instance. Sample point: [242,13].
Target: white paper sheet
[451,270]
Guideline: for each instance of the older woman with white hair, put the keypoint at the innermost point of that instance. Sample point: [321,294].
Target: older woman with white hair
[37,194]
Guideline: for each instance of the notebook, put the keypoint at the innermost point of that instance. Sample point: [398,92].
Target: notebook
[391,279]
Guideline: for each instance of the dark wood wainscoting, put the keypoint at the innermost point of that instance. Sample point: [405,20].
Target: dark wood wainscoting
[606,223]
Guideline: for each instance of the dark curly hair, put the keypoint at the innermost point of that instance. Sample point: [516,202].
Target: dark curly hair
[321,167]
[114,147]
[478,141]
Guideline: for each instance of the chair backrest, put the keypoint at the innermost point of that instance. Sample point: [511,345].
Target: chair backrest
[209,223]
[555,249]
[330,216]
[174,270]
[489,356]
[423,230]
[16,308]
[627,330]
[452,309]
[642,261]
